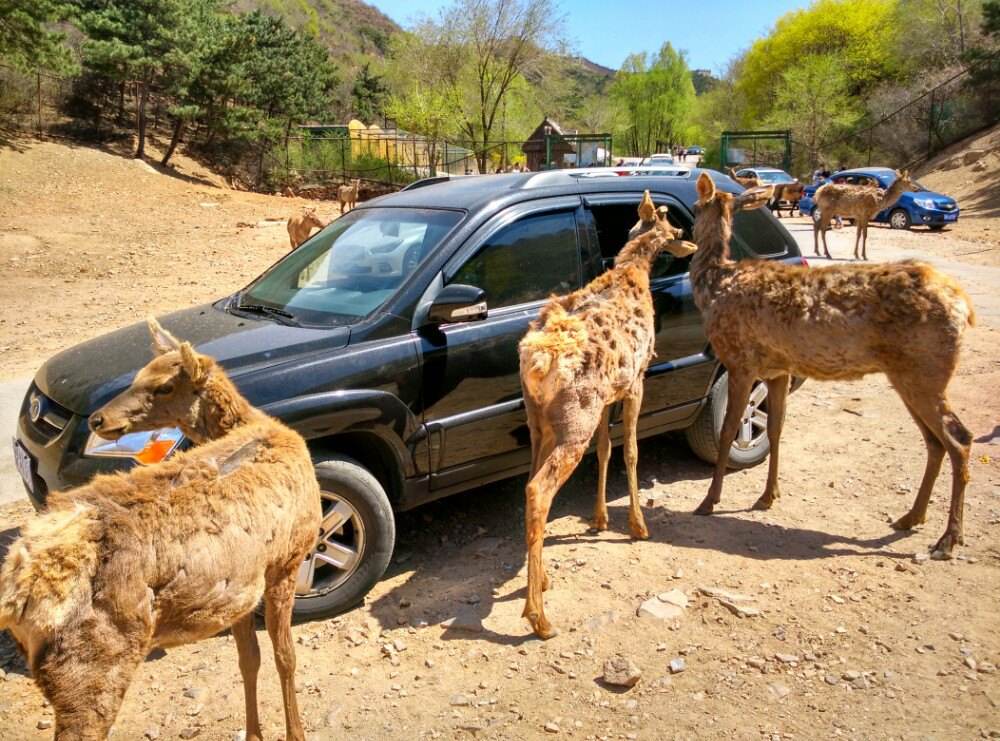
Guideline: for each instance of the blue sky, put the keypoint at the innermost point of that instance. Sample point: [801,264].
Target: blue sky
[710,31]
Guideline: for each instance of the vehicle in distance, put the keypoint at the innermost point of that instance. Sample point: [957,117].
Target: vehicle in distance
[914,208]
[389,341]
[695,150]
[767,175]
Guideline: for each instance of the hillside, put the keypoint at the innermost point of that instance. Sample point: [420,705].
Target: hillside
[969,172]
[349,28]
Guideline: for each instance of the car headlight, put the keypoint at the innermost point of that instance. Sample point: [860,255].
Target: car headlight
[924,202]
[145,447]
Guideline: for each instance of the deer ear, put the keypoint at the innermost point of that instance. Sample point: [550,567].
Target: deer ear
[647,211]
[706,189]
[163,341]
[194,365]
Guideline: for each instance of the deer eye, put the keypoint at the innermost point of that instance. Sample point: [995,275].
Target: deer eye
[164,390]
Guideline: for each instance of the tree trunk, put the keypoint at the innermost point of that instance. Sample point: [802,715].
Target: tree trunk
[174,141]
[140,150]
[121,101]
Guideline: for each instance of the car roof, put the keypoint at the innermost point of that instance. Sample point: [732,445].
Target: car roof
[498,191]
[765,169]
[874,171]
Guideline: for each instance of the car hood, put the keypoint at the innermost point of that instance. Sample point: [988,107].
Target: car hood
[925,194]
[87,375]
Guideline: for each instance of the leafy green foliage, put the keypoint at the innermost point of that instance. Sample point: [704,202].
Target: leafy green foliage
[655,98]
[27,40]
[369,94]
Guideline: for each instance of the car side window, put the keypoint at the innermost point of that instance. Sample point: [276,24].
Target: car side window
[526,261]
[757,235]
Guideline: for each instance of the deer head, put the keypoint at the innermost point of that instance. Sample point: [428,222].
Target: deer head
[905,181]
[713,223]
[311,218]
[165,393]
[654,233]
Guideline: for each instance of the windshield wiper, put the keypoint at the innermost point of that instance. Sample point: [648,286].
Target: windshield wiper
[265,310]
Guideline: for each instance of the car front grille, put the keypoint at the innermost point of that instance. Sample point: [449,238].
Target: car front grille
[46,417]
[946,206]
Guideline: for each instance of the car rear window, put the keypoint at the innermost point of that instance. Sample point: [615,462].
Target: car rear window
[756,234]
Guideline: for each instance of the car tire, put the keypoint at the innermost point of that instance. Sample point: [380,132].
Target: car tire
[355,503]
[899,219]
[703,435]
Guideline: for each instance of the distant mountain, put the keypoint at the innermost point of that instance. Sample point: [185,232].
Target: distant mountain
[351,29]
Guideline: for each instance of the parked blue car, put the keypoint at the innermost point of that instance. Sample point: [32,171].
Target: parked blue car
[920,208]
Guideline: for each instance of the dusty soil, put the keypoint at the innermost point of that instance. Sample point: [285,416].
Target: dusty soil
[856,637]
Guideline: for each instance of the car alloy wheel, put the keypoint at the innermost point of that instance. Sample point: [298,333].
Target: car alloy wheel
[338,548]
[899,219]
[753,425]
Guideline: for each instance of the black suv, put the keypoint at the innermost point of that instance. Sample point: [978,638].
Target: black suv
[389,340]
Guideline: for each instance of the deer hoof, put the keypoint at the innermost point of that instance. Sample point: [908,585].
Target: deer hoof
[765,502]
[705,508]
[598,524]
[908,521]
[639,532]
[543,629]
[942,551]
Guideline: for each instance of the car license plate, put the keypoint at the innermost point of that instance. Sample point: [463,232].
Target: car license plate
[951,217]
[23,463]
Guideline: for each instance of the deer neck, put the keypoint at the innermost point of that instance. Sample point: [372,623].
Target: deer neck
[220,410]
[892,194]
[712,260]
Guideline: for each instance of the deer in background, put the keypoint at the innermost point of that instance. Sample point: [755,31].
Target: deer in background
[348,195]
[858,202]
[790,194]
[300,225]
[771,321]
[166,554]
[753,182]
[586,351]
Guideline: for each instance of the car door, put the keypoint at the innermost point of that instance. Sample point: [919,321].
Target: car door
[473,408]
[676,377]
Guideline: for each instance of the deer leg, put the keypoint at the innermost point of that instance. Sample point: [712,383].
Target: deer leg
[540,492]
[85,676]
[739,394]
[630,413]
[777,395]
[249,651]
[278,600]
[600,521]
[857,240]
[945,425]
[935,456]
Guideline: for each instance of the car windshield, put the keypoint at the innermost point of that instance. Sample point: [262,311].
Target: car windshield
[775,176]
[349,269]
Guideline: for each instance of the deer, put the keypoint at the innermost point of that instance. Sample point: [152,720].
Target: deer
[300,225]
[771,321]
[586,351]
[745,182]
[166,554]
[790,193]
[348,194]
[858,202]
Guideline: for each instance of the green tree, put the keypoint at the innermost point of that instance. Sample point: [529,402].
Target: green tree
[427,110]
[368,94]
[27,40]
[860,34]
[655,98]
[132,41]
[813,101]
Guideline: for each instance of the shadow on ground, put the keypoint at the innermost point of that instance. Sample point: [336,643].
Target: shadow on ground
[456,553]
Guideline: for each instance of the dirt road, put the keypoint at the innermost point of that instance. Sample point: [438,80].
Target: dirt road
[854,637]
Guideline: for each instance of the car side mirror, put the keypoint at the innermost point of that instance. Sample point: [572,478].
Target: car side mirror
[457,303]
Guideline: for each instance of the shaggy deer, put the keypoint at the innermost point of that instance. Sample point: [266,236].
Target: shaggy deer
[348,194]
[771,321]
[789,193]
[858,202]
[166,554]
[300,225]
[586,351]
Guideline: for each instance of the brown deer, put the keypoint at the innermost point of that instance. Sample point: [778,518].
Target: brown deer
[858,202]
[753,182]
[348,194]
[300,225]
[771,321]
[789,194]
[165,554]
[586,351]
